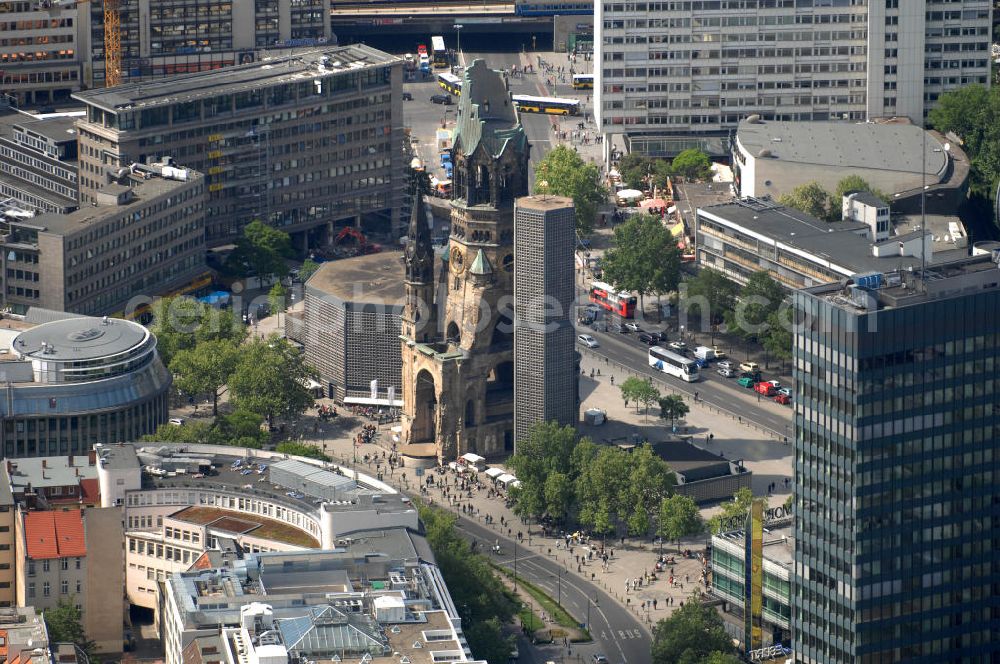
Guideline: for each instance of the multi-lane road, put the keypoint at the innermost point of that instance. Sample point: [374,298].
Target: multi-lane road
[725,394]
[617,633]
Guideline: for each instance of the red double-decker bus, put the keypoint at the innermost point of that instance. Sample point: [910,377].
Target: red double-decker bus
[621,303]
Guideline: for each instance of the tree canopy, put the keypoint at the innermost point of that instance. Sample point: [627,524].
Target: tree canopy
[308,268]
[180,323]
[691,635]
[261,250]
[972,112]
[277,298]
[672,408]
[481,599]
[692,164]
[65,625]
[564,173]
[545,454]
[271,378]
[739,506]
[761,297]
[239,428]
[644,258]
[714,289]
[302,449]
[810,198]
[205,368]
[679,518]
[641,172]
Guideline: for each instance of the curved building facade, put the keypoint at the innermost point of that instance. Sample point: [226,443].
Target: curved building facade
[72,383]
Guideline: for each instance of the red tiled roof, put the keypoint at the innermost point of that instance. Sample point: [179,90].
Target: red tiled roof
[90,491]
[56,534]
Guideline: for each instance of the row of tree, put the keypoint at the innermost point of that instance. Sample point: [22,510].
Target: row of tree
[207,350]
[483,602]
[644,259]
[642,392]
[640,172]
[816,201]
[757,312]
[602,487]
[973,113]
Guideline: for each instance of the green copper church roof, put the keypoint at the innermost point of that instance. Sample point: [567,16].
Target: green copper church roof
[486,113]
[481,266]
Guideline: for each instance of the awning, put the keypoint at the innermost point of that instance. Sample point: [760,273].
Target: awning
[506,479]
[655,203]
[493,473]
[630,194]
[469,457]
[368,401]
[677,230]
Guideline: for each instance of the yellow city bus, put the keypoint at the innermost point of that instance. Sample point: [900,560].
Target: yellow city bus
[451,83]
[583,81]
[547,105]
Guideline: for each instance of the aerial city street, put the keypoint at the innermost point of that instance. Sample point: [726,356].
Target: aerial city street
[499,332]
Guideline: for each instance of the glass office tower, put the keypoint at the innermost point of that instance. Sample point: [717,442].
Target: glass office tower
[897,515]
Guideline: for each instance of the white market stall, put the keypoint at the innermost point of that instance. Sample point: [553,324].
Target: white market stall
[506,479]
[494,473]
[473,461]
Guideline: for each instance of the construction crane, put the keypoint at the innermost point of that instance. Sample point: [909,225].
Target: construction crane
[112,42]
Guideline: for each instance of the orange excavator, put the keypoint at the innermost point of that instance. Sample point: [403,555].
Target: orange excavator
[362,247]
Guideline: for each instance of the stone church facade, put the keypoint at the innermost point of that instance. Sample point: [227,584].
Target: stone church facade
[457,335]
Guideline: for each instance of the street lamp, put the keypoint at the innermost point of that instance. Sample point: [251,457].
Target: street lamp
[589,602]
[458,35]
[559,576]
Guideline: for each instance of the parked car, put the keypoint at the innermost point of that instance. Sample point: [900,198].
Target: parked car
[407,96]
[751,367]
[776,383]
[765,389]
[679,346]
[783,399]
[725,372]
[787,391]
[726,364]
[648,339]
[441,99]
[633,327]
[588,341]
[746,382]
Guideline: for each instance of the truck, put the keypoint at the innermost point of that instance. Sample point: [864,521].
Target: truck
[704,353]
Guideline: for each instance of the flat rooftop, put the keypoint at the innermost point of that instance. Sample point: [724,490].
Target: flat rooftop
[884,146]
[779,542]
[88,215]
[58,129]
[298,66]
[372,279]
[546,203]
[902,288]
[239,523]
[43,472]
[79,339]
[838,243]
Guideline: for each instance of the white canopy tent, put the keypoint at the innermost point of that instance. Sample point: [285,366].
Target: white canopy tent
[506,479]
[472,460]
[494,473]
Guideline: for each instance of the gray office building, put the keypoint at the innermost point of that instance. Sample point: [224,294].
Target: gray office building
[897,506]
[306,142]
[545,380]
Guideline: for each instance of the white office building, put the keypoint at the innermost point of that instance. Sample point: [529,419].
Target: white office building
[683,73]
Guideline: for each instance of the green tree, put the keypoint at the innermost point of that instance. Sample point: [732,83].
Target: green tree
[650,480]
[558,492]
[679,518]
[973,113]
[308,268]
[640,172]
[564,173]
[739,506]
[546,451]
[271,378]
[481,599]
[630,389]
[690,635]
[850,185]
[714,288]
[810,198]
[761,297]
[191,433]
[717,657]
[692,164]
[778,339]
[261,250]
[240,428]
[65,625]
[644,258]
[277,298]
[181,323]
[303,450]
[672,408]
[205,368]
[646,394]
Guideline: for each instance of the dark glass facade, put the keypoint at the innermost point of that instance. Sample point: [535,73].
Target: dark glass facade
[897,522]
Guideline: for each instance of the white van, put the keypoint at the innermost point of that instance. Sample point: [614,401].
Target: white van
[704,353]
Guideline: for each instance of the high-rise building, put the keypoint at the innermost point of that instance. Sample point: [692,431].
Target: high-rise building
[675,75]
[897,555]
[306,142]
[545,373]
[170,37]
[39,51]
[458,389]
